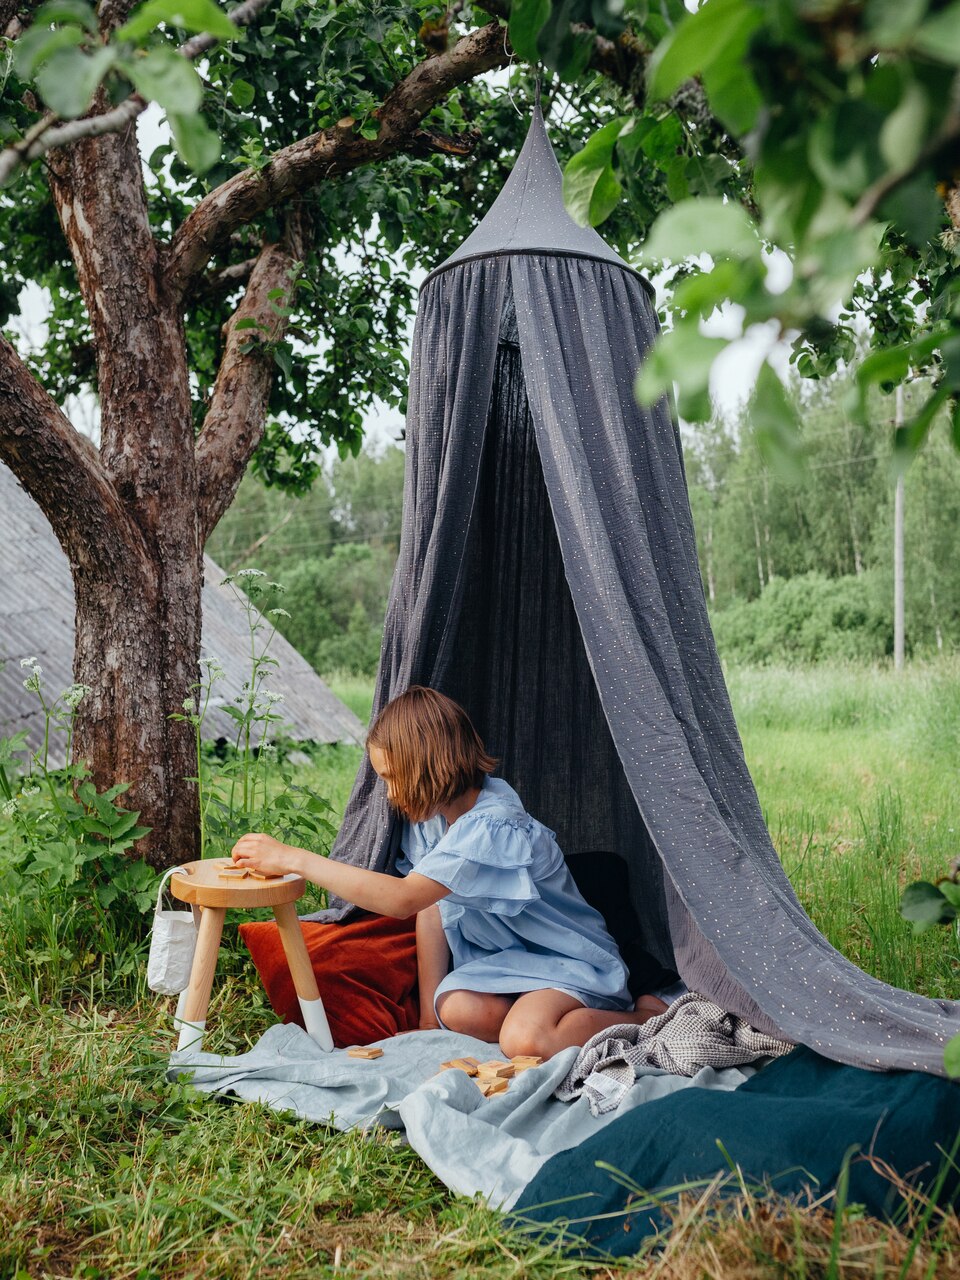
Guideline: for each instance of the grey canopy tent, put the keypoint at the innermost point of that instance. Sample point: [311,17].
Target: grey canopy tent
[548,580]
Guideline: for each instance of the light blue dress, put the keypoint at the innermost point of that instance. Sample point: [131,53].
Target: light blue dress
[514,920]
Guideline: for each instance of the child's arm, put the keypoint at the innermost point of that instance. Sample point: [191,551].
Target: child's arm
[396,896]
[433,961]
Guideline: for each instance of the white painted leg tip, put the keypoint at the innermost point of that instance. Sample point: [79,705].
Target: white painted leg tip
[315,1021]
[191,1036]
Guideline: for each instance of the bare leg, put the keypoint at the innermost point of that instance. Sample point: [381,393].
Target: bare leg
[544,1022]
[474,1013]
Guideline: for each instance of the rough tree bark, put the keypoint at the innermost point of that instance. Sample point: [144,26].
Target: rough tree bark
[134,515]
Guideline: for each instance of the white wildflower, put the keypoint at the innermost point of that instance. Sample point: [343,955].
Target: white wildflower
[190,706]
[271,698]
[30,791]
[32,682]
[279,613]
[250,573]
[73,696]
[10,807]
[277,586]
[213,667]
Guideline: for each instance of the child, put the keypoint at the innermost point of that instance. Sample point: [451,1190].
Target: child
[507,949]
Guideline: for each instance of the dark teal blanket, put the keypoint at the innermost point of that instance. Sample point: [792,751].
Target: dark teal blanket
[789,1126]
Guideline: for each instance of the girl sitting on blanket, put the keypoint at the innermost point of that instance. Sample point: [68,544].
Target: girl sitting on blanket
[507,948]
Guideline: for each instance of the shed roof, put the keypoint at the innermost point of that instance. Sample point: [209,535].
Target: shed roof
[37,619]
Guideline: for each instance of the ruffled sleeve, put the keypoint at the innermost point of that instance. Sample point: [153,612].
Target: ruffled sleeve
[485,862]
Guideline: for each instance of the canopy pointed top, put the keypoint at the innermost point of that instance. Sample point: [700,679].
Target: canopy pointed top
[528,216]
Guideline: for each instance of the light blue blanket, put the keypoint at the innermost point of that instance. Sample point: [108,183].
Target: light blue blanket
[493,1146]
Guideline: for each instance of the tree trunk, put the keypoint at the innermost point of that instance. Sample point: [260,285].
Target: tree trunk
[137,647]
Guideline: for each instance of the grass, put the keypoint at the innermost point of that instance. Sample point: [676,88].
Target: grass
[856,769]
[107,1170]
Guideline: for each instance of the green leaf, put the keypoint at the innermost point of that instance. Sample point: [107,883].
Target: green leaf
[163,76]
[951,1057]
[701,226]
[242,93]
[776,426]
[904,131]
[191,15]
[733,94]
[924,905]
[527,18]
[197,144]
[68,80]
[283,356]
[915,209]
[561,46]
[890,365]
[842,147]
[718,32]
[66,11]
[951,891]
[939,37]
[909,439]
[39,43]
[591,191]
[682,357]
[704,291]
[893,21]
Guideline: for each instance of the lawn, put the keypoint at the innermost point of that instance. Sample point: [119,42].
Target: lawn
[108,1171]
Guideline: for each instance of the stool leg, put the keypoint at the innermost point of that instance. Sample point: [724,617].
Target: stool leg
[194,1008]
[304,979]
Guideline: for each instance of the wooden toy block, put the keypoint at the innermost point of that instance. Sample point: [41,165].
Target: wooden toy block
[489,1087]
[262,875]
[526,1060]
[232,873]
[496,1070]
[469,1065]
[364,1051]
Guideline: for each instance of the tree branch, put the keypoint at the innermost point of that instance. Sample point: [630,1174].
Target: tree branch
[223,281]
[29,148]
[875,195]
[59,468]
[233,426]
[15,16]
[327,154]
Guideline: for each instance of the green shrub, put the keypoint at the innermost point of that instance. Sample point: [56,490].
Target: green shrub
[808,618]
[336,607]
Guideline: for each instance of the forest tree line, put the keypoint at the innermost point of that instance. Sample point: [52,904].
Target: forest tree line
[797,566]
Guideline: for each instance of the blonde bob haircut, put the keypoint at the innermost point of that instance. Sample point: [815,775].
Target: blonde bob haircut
[434,752]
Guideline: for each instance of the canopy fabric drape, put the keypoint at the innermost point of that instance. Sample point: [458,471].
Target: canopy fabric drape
[548,579]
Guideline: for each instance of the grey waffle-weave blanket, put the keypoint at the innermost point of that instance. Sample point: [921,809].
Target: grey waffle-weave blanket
[692,1034]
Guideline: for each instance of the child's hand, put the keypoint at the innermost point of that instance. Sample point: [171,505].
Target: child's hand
[261,852]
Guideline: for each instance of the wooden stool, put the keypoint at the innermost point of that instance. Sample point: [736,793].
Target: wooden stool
[201,884]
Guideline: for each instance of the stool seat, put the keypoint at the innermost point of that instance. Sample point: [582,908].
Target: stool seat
[201,884]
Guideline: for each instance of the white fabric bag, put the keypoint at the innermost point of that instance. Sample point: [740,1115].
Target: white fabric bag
[173,940]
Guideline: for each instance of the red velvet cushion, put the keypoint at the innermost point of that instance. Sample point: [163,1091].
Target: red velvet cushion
[366,971]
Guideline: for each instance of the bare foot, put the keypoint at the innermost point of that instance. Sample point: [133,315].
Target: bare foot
[649,1006]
